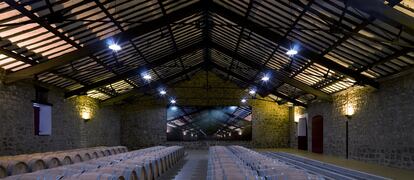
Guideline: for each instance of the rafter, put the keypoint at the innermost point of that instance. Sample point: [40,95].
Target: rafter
[236,18]
[57,33]
[174,43]
[152,85]
[118,25]
[246,80]
[151,65]
[18,57]
[206,34]
[385,13]
[397,54]
[101,45]
[334,45]
[275,73]
[347,34]
[238,42]
[291,28]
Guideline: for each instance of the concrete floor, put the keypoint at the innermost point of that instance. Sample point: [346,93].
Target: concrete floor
[192,167]
[389,172]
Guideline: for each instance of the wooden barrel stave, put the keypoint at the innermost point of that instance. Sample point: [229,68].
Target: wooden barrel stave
[3,170]
[36,164]
[16,167]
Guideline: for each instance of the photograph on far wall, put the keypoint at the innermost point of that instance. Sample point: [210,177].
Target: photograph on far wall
[192,123]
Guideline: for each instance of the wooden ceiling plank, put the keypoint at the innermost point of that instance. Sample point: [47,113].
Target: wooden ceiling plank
[269,34]
[275,74]
[150,65]
[102,44]
[263,88]
[152,85]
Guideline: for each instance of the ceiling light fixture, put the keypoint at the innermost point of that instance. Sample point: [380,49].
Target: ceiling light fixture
[265,78]
[244,100]
[173,101]
[146,76]
[252,92]
[163,92]
[291,52]
[114,47]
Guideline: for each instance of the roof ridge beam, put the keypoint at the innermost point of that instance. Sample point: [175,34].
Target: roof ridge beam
[269,34]
[101,45]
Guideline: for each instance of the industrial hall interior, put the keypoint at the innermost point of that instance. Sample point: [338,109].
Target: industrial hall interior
[207,89]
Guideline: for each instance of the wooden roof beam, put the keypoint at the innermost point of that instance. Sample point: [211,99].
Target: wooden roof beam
[136,71]
[269,34]
[385,13]
[152,85]
[246,80]
[119,26]
[18,57]
[101,45]
[276,74]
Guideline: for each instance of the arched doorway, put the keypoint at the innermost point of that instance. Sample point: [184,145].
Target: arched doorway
[317,134]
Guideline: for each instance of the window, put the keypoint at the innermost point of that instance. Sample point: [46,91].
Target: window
[42,119]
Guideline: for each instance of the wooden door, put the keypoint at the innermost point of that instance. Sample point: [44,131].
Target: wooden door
[317,134]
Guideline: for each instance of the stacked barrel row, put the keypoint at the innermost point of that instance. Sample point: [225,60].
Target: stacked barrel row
[241,163]
[25,163]
[144,164]
[225,165]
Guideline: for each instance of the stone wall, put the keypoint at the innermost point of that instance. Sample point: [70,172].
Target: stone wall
[144,121]
[293,129]
[380,131]
[68,129]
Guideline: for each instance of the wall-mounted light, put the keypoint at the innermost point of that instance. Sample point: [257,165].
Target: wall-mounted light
[299,113]
[87,107]
[86,115]
[297,117]
[349,110]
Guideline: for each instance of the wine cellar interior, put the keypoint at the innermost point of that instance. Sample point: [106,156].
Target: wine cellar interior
[206,89]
